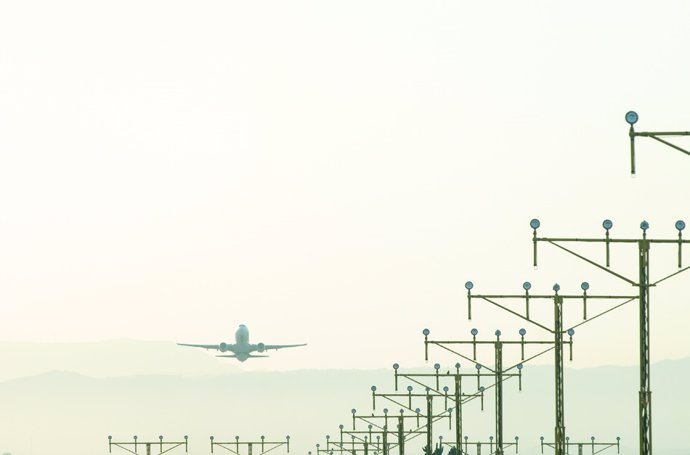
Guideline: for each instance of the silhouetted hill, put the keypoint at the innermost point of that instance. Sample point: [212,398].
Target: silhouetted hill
[108,359]
[64,412]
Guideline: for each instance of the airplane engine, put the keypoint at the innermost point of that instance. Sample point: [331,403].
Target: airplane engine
[223,347]
[261,347]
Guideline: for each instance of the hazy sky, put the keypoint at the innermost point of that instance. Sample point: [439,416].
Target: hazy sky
[332,172]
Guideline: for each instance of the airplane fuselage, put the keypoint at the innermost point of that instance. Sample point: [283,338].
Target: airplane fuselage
[242,349]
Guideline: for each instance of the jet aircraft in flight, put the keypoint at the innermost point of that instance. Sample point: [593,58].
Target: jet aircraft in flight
[242,349]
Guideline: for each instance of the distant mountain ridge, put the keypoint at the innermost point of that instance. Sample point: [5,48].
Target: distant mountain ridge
[108,359]
[62,412]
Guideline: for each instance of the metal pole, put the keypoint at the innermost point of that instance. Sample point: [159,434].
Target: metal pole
[499,397]
[632,150]
[429,421]
[458,414]
[645,386]
[559,445]
[401,435]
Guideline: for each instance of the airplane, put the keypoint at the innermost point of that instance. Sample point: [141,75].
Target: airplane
[242,350]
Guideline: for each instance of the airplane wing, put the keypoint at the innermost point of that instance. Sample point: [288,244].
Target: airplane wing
[205,346]
[281,346]
[234,356]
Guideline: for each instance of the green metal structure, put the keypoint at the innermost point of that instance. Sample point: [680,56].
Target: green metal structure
[498,373]
[134,445]
[458,398]
[236,446]
[557,330]
[644,284]
[631,117]
[596,447]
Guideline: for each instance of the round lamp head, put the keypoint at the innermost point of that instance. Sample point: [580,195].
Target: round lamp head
[631,117]
[457,365]
[469,285]
[497,333]
[341,426]
[482,389]
[417,410]
[354,411]
[409,388]
[437,366]
[520,366]
[571,332]
[534,223]
[478,367]
[644,225]
[680,225]
[474,332]
[584,285]
[556,287]
[608,224]
[426,332]
[526,285]
[396,366]
[445,388]
[523,332]
[373,388]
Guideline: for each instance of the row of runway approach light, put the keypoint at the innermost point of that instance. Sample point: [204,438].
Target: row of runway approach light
[607,224]
[386,437]
[136,447]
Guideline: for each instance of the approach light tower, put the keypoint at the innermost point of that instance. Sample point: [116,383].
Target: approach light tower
[430,418]
[557,330]
[631,117]
[458,398]
[236,447]
[499,372]
[643,283]
[134,445]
